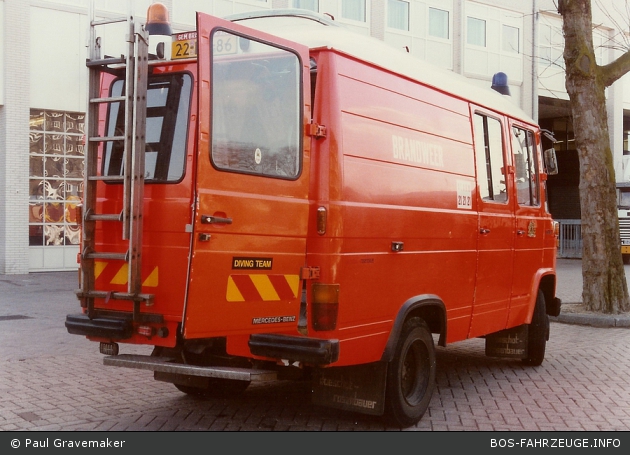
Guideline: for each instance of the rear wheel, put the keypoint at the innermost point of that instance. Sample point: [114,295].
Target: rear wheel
[411,374]
[537,333]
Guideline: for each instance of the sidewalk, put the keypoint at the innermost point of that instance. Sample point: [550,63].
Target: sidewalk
[569,290]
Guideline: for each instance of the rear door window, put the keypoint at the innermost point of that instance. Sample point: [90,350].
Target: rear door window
[256,108]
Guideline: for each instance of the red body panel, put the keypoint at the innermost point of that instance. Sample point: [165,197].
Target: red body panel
[397,164]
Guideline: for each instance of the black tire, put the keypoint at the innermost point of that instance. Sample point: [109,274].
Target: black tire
[217,388]
[537,333]
[411,374]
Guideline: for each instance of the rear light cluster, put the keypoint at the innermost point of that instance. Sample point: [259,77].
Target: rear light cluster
[148,331]
[325,306]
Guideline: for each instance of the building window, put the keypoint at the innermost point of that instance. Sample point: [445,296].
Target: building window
[353,10]
[476,32]
[438,23]
[551,47]
[312,5]
[511,39]
[56,176]
[398,14]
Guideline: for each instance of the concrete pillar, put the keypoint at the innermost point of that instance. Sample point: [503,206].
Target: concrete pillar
[458,36]
[14,139]
[614,109]
[377,19]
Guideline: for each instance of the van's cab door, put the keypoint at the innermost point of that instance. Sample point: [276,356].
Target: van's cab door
[251,209]
[496,225]
[531,218]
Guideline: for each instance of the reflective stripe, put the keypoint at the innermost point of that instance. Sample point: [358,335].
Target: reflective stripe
[121,276]
[262,288]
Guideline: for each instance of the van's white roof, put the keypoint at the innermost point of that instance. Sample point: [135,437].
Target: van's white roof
[318,31]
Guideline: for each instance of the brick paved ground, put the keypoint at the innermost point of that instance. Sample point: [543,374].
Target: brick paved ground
[50,380]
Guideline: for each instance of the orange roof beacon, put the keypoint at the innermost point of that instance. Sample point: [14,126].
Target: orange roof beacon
[272,196]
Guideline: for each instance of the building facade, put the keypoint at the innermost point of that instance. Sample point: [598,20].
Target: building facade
[43,47]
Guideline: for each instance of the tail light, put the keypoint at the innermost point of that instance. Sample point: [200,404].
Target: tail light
[325,306]
[145,330]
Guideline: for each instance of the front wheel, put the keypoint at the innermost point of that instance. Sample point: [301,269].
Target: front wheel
[537,333]
[411,374]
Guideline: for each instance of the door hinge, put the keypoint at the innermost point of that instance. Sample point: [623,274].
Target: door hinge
[316,130]
[309,273]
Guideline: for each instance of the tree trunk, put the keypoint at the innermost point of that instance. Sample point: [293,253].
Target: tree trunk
[605,289]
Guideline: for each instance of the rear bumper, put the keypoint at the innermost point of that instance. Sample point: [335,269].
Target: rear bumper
[101,327]
[306,350]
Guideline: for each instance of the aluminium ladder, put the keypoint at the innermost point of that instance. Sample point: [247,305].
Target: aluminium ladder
[135,67]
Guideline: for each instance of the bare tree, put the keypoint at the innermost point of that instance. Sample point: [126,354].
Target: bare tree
[605,289]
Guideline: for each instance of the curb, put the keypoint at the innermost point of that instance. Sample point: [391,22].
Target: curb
[593,320]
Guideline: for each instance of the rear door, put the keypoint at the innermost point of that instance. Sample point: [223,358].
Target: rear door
[251,209]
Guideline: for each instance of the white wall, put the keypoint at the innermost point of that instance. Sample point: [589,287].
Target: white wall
[483,62]
[2,54]
[57,59]
[420,44]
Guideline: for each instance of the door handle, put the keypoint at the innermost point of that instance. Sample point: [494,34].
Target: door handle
[208,219]
[484,231]
[520,232]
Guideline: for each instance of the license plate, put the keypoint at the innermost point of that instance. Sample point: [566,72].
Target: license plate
[184,46]
[625,241]
[224,43]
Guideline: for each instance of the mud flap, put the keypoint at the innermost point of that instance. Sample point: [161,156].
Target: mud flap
[359,388]
[510,343]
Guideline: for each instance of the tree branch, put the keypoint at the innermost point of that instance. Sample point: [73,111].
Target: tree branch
[615,70]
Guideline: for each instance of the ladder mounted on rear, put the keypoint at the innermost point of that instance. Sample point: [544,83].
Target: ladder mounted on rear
[135,66]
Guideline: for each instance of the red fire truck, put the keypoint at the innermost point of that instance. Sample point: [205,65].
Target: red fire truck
[277,197]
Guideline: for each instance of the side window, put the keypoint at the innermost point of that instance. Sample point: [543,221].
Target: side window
[526,167]
[256,108]
[168,102]
[489,156]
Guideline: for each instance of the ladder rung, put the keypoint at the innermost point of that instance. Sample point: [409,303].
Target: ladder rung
[112,99]
[107,178]
[148,298]
[104,217]
[110,256]
[104,62]
[109,21]
[107,138]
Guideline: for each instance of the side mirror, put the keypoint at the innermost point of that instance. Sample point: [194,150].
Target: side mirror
[551,162]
